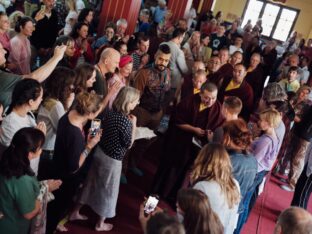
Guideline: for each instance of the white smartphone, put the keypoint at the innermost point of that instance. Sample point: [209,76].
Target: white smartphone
[151,204]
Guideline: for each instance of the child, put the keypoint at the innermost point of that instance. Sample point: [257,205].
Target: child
[265,149]
[291,84]
[231,108]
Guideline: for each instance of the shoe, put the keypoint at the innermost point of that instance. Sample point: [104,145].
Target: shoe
[287,188]
[137,171]
[123,179]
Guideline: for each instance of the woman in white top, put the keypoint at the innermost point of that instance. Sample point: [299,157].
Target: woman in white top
[26,97]
[71,18]
[196,214]
[58,98]
[212,174]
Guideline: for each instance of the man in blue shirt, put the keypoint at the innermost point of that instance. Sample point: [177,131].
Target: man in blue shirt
[160,11]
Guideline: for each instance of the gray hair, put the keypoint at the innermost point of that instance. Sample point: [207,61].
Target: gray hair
[122,21]
[125,96]
[163,2]
[145,12]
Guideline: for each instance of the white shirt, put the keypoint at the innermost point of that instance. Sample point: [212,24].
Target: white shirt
[50,116]
[305,75]
[219,205]
[11,124]
[4,4]
[72,15]
[233,49]
[190,17]
[80,5]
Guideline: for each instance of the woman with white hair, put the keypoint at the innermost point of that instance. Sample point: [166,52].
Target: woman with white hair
[101,188]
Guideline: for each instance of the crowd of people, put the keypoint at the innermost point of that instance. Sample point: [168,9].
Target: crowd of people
[228,110]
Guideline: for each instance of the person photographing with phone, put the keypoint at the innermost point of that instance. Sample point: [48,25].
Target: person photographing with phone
[44,37]
[101,187]
[72,147]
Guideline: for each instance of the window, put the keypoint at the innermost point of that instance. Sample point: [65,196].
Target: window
[277,20]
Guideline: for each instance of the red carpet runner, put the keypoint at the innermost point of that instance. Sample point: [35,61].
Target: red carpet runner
[261,221]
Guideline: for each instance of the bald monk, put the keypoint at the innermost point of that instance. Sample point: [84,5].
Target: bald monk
[194,116]
[193,87]
[188,79]
[237,86]
[226,69]
[255,77]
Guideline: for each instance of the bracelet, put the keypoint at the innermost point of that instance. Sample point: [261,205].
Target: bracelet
[86,152]
[88,148]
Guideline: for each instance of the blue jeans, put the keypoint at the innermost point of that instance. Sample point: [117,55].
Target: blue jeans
[249,201]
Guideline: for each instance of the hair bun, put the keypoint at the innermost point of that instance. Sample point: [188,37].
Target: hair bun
[19,18]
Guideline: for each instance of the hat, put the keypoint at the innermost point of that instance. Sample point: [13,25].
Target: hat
[124,60]
[274,92]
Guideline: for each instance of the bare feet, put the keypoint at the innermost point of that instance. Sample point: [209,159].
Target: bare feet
[54,185]
[104,227]
[77,216]
[61,228]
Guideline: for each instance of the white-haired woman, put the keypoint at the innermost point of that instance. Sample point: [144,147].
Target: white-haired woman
[101,188]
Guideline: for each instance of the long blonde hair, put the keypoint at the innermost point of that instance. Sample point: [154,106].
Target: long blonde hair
[213,163]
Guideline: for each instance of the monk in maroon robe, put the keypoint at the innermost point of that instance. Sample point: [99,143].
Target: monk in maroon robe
[193,117]
[188,85]
[213,67]
[237,86]
[255,78]
[192,87]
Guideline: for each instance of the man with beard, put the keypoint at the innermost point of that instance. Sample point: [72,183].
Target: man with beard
[153,81]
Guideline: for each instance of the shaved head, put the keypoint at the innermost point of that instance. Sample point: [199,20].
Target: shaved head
[110,58]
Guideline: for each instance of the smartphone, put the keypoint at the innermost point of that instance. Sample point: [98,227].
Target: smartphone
[151,204]
[95,127]
[43,7]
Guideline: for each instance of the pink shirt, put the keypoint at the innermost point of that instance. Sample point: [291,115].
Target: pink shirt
[20,54]
[5,41]
[110,82]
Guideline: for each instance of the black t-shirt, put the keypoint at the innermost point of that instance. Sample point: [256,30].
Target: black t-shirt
[216,43]
[69,144]
[46,31]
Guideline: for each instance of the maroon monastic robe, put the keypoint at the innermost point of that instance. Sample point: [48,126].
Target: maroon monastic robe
[244,92]
[180,153]
[256,80]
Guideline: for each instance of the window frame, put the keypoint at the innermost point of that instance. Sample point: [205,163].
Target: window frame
[281,7]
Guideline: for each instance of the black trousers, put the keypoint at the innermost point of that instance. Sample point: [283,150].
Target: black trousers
[303,190]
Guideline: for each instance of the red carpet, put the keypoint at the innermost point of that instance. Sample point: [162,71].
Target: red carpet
[269,205]
[261,221]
